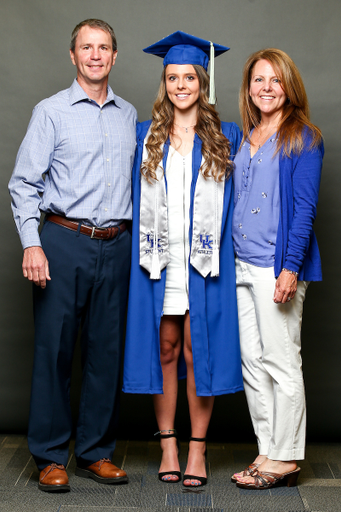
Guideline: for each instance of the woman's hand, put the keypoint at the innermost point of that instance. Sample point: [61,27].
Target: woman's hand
[286,287]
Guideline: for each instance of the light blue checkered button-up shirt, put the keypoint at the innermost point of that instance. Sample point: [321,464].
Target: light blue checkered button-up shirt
[75,160]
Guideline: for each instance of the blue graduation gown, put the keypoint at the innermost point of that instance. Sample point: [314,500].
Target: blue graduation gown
[212,302]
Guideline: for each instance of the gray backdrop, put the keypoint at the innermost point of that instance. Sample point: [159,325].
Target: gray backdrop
[34,46]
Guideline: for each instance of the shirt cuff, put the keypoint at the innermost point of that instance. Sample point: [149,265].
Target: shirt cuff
[30,239]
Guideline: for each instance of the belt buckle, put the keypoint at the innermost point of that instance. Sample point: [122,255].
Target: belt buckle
[93,229]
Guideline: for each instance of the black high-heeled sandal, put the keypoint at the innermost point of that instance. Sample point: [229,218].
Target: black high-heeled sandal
[201,479]
[173,473]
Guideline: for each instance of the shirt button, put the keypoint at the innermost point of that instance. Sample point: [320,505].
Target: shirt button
[109,184]
[106,135]
[107,159]
[105,209]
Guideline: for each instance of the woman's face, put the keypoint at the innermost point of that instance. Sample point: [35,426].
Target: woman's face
[182,86]
[266,90]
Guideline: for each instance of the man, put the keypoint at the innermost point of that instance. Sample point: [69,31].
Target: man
[82,140]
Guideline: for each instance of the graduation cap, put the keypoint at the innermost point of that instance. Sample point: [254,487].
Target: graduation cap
[182,48]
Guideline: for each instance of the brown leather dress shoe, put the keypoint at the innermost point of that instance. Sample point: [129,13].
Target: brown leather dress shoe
[54,478]
[103,472]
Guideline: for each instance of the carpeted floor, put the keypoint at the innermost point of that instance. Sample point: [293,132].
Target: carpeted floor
[319,488]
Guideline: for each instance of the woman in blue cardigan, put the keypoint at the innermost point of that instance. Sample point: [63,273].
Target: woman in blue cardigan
[276,183]
[182,313]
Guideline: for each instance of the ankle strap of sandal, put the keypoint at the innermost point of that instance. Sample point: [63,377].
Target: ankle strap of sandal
[166,436]
[199,439]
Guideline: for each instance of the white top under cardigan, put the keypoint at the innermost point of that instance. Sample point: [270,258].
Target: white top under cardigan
[179,178]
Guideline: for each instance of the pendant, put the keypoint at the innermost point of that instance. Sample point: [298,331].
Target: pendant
[186,130]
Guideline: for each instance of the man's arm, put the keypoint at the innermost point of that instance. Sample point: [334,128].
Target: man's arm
[26,187]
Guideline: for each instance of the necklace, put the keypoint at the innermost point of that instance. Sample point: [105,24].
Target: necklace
[185,127]
[263,139]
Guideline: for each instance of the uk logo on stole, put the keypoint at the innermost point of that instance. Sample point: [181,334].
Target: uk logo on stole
[205,244]
[150,244]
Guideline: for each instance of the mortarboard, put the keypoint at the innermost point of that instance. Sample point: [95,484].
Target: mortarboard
[182,48]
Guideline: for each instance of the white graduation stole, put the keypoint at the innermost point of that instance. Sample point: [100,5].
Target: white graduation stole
[154,246]
[207,220]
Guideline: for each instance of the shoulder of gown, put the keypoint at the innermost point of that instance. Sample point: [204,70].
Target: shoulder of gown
[233,134]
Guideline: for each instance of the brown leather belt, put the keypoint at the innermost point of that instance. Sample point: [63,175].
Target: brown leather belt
[92,232]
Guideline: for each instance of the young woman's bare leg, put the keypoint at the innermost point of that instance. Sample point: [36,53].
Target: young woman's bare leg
[200,410]
[165,405]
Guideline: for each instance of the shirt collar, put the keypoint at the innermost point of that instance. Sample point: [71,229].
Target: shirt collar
[78,94]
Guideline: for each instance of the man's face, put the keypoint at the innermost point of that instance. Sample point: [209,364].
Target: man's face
[93,56]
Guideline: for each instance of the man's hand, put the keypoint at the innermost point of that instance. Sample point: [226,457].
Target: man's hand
[35,266]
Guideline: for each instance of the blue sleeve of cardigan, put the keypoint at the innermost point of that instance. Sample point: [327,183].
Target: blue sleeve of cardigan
[306,179]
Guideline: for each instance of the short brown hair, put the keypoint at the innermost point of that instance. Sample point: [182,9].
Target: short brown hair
[93,23]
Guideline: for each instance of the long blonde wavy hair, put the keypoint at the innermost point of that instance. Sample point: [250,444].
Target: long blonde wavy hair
[295,114]
[215,146]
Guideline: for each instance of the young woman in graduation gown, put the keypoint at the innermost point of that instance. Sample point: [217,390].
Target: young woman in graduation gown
[182,314]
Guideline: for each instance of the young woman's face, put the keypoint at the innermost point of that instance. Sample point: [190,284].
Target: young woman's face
[182,85]
[266,90]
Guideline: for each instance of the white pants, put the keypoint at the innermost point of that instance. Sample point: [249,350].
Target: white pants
[270,339]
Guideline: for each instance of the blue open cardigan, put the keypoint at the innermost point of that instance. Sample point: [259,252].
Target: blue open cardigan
[299,183]
[212,302]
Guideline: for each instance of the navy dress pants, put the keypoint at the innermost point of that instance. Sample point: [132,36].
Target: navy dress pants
[88,290]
